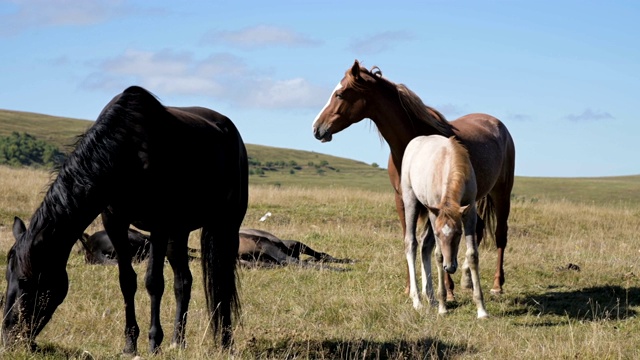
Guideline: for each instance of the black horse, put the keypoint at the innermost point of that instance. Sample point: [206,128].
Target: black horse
[168,171]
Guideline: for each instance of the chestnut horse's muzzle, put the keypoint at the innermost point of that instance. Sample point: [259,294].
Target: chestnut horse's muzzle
[322,134]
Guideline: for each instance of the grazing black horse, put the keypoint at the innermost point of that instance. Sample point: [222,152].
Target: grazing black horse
[168,171]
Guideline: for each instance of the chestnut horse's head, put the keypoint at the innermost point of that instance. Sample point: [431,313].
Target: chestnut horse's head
[347,104]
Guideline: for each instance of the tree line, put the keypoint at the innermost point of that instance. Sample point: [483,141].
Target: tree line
[23,149]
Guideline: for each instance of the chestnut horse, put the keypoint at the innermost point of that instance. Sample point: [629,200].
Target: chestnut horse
[437,175]
[400,115]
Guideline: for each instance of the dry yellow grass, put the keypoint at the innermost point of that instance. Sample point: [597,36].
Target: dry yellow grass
[548,310]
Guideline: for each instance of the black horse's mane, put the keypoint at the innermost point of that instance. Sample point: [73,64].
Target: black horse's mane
[76,194]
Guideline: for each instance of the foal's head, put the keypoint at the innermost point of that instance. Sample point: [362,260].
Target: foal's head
[447,229]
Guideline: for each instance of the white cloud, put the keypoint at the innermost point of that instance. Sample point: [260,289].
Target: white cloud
[379,42]
[260,36]
[43,13]
[450,111]
[222,76]
[590,115]
[518,117]
[29,14]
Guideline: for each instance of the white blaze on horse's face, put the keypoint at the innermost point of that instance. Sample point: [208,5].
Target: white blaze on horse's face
[323,121]
[338,87]
[446,230]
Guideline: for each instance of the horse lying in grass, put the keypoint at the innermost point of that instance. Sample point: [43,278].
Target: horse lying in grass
[98,248]
[258,249]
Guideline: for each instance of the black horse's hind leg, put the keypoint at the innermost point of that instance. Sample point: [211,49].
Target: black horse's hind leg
[178,256]
[117,232]
[154,282]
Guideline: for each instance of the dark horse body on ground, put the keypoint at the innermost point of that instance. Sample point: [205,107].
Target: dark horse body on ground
[400,115]
[257,249]
[98,248]
[168,171]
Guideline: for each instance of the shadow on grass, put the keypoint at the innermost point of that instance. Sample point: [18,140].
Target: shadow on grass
[588,304]
[43,351]
[356,349]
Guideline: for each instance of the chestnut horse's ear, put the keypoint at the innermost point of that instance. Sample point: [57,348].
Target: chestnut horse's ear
[18,228]
[355,69]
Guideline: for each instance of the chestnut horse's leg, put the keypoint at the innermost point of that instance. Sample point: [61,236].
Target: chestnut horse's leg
[502,204]
[117,232]
[177,254]
[154,282]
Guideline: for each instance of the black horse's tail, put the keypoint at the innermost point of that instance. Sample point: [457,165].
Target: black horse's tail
[486,211]
[219,258]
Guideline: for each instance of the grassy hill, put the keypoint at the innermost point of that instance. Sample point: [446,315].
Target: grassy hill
[58,131]
[295,168]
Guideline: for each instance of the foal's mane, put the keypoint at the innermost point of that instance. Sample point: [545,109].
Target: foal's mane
[458,175]
[413,106]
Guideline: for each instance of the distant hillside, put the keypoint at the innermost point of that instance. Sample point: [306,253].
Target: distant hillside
[58,131]
[597,190]
[268,165]
[288,167]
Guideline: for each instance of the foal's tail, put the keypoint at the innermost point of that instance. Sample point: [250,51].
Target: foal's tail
[486,211]
[219,255]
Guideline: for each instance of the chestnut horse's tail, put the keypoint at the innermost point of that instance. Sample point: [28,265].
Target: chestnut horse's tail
[219,252]
[486,212]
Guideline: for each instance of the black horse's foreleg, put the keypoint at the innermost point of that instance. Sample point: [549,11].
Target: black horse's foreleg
[178,256]
[117,232]
[154,282]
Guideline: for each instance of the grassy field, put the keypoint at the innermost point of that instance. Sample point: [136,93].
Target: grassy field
[550,310]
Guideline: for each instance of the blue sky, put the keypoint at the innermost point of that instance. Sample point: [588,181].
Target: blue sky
[564,76]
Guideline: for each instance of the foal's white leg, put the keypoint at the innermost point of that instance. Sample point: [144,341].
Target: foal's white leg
[442,292]
[410,246]
[474,267]
[428,243]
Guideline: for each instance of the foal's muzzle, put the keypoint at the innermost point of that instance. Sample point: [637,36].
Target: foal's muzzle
[451,268]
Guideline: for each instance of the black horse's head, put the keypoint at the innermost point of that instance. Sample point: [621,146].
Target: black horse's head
[37,283]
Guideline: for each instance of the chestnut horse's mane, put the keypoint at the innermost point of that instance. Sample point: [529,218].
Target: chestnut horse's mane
[415,109]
